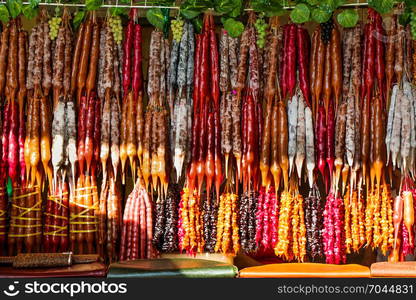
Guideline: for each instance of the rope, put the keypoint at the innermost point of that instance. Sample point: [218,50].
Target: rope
[84,213]
[24,211]
[60,230]
[58,199]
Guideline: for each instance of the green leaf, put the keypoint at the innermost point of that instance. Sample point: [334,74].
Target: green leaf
[327,5]
[404,19]
[93,4]
[312,2]
[330,5]
[224,6]
[276,12]
[189,13]
[118,11]
[338,3]
[34,3]
[300,14]
[15,7]
[258,6]
[348,18]
[237,10]
[29,12]
[155,17]
[4,13]
[275,8]
[165,2]
[197,22]
[381,6]
[321,16]
[409,3]
[78,18]
[197,5]
[233,27]
[269,7]
[193,8]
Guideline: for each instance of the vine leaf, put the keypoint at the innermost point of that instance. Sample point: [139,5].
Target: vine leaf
[15,7]
[4,13]
[118,11]
[34,3]
[237,10]
[78,18]
[189,13]
[348,18]
[381,6]
[93,4]
[193,8]
[330,5]
[269,7]
[300,14]
[233,27]
[197,22]
[410,3]
[226,6]
[29,11]
[155,17]
[319,15]
[404,18]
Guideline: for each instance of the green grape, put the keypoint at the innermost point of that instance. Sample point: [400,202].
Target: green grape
[116,28]
[260,26]
[54,24]
[177,29]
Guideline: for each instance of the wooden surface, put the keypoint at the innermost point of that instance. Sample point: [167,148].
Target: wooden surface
[298,270]
[82,270]
[398,269]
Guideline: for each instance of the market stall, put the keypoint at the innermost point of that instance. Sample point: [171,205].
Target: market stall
[196,138]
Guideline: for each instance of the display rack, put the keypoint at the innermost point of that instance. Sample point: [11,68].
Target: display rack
[150,4]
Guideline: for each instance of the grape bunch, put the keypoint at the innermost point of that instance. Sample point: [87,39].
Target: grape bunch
[413,24]
[116,28]
[261,27]
[54,27]
[177,29]
[326,29]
